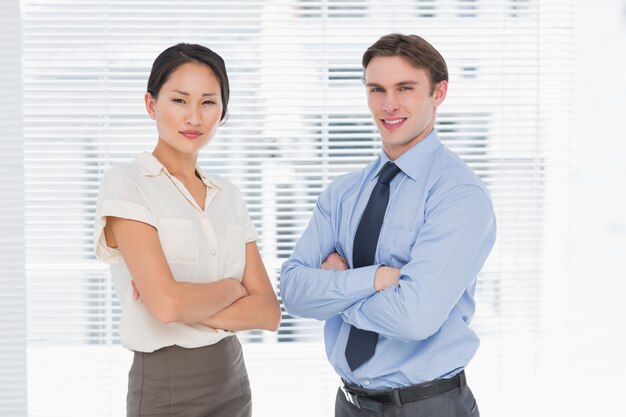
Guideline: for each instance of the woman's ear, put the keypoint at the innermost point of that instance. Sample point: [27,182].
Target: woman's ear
[150,105]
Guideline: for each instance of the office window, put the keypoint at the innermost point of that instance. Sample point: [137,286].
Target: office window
[298,118]
[425,8]
[13,399]
[467,8]
[333,8]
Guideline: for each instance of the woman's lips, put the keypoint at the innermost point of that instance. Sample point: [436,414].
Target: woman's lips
[191,134]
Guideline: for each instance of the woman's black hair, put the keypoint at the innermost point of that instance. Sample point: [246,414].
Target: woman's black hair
[175,56]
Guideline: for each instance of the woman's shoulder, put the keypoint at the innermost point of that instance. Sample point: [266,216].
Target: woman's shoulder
[121,176]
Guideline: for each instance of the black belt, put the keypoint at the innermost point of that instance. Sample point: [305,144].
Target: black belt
[375,401]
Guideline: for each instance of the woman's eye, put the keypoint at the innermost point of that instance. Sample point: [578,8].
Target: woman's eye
[178,100]
[376,90]
[208,102]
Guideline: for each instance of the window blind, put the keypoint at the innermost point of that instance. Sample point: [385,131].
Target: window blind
[12,282]
[297,119]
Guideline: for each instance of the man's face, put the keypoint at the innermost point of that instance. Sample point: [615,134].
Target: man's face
[400,100]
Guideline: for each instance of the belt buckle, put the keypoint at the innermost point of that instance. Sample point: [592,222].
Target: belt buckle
[362,402]
[350,397]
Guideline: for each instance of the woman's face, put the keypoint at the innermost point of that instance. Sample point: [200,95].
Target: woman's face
[188,108]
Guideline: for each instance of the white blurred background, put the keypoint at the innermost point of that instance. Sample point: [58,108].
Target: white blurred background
[537,106]
[598,238]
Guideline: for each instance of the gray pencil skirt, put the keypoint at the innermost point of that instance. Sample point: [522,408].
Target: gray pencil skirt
[201,382]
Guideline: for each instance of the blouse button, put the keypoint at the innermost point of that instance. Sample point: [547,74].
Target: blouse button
[213,251]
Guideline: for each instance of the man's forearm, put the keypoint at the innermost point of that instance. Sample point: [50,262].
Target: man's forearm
[321,293]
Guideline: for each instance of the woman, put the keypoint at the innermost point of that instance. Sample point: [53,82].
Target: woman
[184,242]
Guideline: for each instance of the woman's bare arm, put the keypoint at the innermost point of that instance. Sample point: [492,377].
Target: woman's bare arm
[259,309]
[166,299]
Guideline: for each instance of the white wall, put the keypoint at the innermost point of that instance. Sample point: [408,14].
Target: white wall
[598,283]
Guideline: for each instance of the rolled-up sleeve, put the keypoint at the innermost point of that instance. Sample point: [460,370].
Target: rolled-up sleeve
[118,197]
[242,210]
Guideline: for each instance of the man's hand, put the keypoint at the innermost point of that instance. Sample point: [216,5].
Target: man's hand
[336,262]
[386,277]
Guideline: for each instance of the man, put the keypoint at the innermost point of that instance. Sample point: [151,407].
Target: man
[391,254]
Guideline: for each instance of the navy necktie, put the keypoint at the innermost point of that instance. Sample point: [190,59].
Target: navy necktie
[362,343]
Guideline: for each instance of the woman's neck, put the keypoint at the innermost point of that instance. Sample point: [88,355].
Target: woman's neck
[177,163]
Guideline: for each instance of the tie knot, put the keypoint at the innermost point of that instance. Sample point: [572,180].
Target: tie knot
[387,173]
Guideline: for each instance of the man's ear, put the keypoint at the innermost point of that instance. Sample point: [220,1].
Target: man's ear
[441,89]
[150,105]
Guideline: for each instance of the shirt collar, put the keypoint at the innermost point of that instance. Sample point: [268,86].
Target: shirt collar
[412,161]
[150,166]
[209,181]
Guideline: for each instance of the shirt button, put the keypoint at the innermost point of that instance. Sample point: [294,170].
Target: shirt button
[366,382]
[213,251]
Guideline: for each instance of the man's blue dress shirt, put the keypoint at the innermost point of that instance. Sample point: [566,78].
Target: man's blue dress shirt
[438,229]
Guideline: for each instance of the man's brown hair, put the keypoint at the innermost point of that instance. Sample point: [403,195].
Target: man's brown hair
[416,50]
